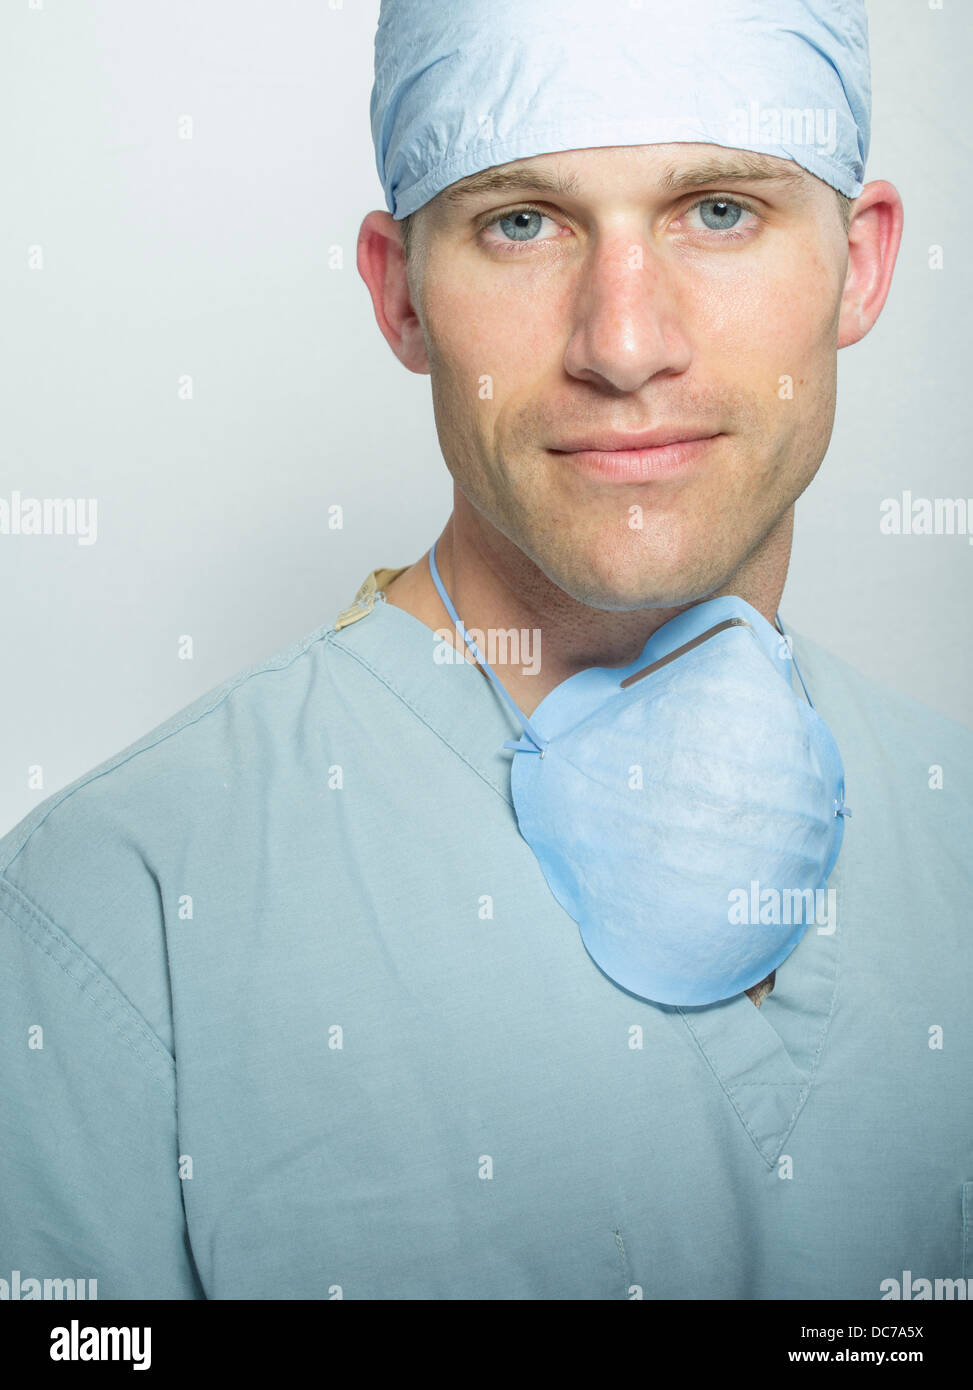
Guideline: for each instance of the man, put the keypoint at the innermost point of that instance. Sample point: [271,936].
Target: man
[295,1008]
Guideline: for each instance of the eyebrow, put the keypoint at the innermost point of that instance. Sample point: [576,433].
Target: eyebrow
[674,179]
[499,180]
[744,168]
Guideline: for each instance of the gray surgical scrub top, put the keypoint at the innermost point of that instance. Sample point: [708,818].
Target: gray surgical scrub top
[287,1010]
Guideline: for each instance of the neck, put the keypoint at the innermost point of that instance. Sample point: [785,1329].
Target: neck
[494,585]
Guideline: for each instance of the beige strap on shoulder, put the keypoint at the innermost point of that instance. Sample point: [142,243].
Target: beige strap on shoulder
[364,600]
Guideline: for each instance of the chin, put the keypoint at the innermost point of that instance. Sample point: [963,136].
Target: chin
[624,582]
[640,591]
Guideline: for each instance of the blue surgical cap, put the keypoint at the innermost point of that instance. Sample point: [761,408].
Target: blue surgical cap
[463,85]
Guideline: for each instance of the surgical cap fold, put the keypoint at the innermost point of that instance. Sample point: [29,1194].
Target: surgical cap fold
[464,85]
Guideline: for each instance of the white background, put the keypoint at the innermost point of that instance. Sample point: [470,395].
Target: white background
[214,257]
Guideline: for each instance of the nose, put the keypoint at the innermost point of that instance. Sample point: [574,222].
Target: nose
[627,322]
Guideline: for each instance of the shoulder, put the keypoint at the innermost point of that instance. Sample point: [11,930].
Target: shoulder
[883,732]
[872,698]
[83,876]
[216,731]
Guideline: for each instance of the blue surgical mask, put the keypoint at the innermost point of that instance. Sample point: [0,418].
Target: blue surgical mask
[685,809]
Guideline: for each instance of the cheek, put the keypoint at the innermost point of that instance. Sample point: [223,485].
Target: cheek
[767,320]
[507,323]
[494,357]
[768,335]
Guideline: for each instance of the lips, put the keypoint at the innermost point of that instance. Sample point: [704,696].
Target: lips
[664,454]
[613,443]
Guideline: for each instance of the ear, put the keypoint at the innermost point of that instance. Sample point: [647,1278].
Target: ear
[381,264]
[874,234]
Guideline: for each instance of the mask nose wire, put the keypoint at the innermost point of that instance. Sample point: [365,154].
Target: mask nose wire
[530,733]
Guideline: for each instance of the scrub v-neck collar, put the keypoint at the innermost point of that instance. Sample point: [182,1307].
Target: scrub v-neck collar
[763,1059]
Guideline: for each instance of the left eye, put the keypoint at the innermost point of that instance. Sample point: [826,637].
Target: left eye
[523,224]
[720,214]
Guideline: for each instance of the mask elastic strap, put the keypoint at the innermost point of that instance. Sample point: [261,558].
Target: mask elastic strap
[535,743]
[840,809]
[790,648]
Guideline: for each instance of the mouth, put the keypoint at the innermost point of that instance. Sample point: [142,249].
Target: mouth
[636,458]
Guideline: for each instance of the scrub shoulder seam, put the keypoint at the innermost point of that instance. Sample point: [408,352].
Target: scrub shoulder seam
[100,992]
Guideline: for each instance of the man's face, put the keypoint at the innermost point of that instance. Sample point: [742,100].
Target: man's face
[657,288]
